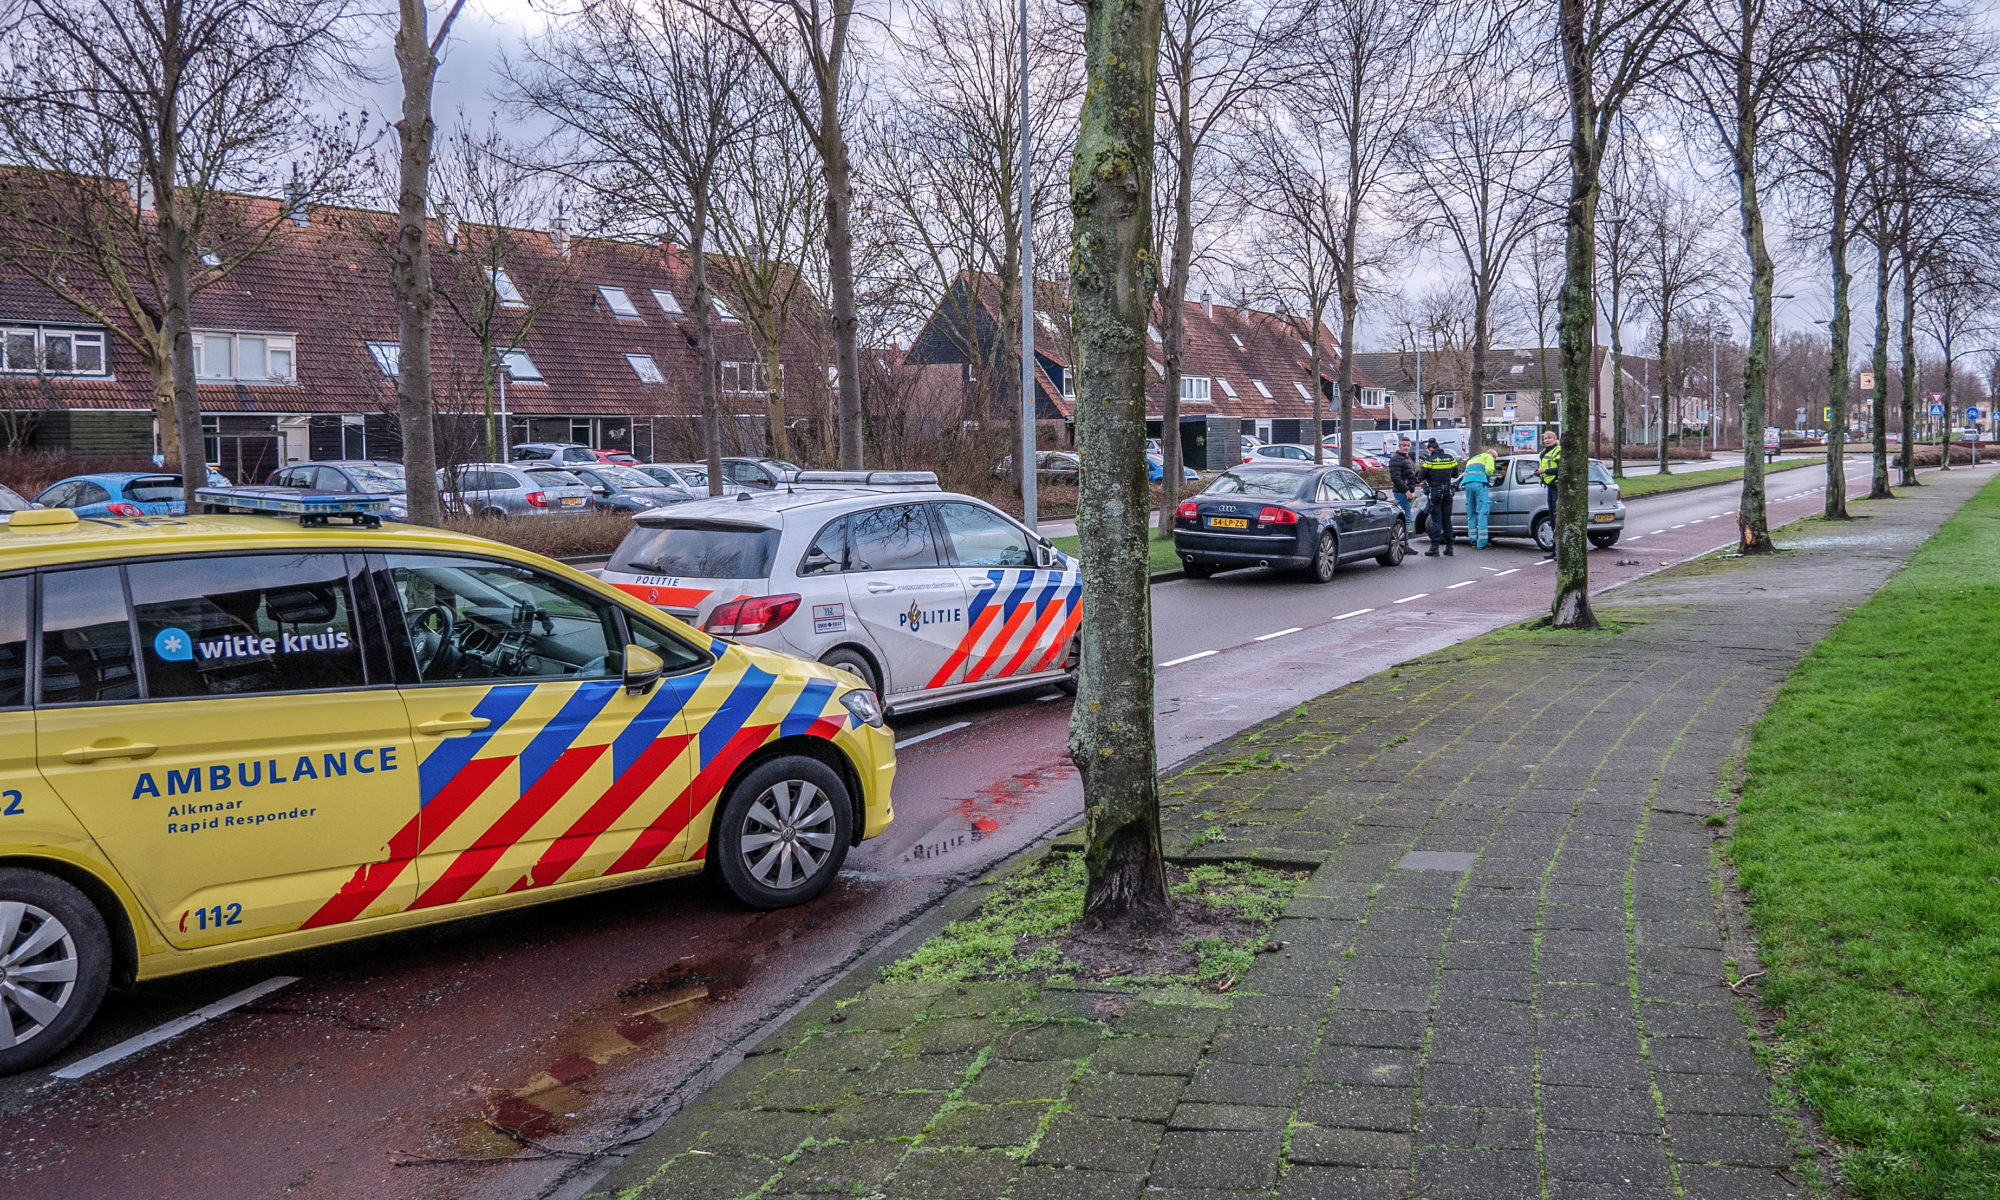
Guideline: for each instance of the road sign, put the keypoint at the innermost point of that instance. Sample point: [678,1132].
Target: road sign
[1867,381]
[1971,413]
[1507,412]
[1826,414]
[1937,410]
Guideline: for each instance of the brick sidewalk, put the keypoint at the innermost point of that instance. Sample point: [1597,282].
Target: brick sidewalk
[1501,980]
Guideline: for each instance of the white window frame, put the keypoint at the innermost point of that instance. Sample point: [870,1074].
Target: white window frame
[721,310]
[1303,393]
[1068,382]
[1238,341]
[515,359]
[40,335]
[730,376]
[232,341]
[646,367]
[388,356]
[619,302]
[1153,331]
[1227,390]
[668,303]
[504,289]
[1490,398]
[1441,402]
[1261,389]
[1195,389]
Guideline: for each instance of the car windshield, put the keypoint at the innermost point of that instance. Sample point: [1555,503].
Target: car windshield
[661,476]
[151,488]
[1280,484]
[697,549]
[782,465]
[11,500]
[375,480]
[549,477]
[695,476]
[1599,473]
[625,476]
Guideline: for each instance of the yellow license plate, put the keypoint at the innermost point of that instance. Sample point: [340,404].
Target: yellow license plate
[1603,517]
[1229,523]
[571,501]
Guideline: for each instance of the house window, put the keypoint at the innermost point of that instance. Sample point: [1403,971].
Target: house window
[743,379]
[36,350]
[1068,384]
[503,287]
[619,303]
[1238,341]
[668,305]
[1261,389]
[1307,347]
[1489,401]
[1194,389]
[1374,398]
[1303,393]
[520,367]
[387,356]
[645,368]
[1517,369]
[1443,403]
[1227,390]
[722,312]
[244,357]
[1153,331]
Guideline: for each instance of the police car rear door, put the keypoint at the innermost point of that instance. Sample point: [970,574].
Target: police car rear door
[908,599]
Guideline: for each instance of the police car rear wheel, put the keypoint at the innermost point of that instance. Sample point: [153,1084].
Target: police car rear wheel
[783,832]
[55,961]
[855,663]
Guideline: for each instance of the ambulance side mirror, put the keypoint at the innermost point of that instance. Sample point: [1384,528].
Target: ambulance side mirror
[643,669]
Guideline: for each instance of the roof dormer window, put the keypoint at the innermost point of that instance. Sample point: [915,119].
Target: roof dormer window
[1303,393]
[722,312]
[1238,341]
[646,368]
[520,368]
[1227,390]
[668,305]
[503,287]
[1153,331]
[619,303]
[1261,389]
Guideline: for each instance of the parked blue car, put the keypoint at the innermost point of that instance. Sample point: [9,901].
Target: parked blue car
[1156,470]
[123,494]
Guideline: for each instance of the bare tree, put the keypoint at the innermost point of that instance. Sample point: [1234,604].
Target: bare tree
[1486,163]
[1112,289]
[1621,248]
[818,30]
[1610,49]
[181,102]
[1538,283]
[1680,264]
[1955,301]
[1295,165]
[652,95]
[1364,75]
[1214,55]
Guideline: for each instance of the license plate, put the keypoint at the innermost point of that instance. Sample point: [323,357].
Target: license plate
[1602,518]
[571,501]
[1229,522]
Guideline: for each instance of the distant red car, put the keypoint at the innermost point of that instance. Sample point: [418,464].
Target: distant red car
[615,456]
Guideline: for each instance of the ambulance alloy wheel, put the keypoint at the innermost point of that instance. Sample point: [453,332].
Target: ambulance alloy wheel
[783,832]
[55,960]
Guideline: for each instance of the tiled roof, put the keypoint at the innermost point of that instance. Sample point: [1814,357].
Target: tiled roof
[328,283]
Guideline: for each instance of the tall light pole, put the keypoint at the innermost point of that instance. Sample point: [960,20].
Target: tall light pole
[1027,448]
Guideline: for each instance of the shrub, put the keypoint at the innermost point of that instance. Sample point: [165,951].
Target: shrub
[30,471]
[556,537]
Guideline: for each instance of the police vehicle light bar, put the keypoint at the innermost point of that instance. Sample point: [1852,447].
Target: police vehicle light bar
[916,481]
[312,508]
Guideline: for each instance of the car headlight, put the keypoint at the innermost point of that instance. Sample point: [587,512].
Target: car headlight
[863,706]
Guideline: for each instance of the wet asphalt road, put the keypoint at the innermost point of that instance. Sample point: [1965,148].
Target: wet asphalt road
[572,1024]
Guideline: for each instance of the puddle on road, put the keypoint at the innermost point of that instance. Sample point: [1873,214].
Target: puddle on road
[987,813]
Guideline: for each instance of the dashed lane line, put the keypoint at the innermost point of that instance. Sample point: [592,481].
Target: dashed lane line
[172,1029]
[1467,583]
[939,732]
[1508,571]
[1357,612]
[1186,658]
[1265,637]
[1418,596]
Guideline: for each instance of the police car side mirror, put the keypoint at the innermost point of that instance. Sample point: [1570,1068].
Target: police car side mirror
[643,669]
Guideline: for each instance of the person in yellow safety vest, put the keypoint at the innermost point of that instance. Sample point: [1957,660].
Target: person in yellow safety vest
[1552,453]
[1477,480]
[1437,470]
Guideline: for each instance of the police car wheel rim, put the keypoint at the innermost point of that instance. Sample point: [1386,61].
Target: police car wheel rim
[788,834]
[38,970]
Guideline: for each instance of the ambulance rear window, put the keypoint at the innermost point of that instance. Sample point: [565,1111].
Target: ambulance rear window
[699,550]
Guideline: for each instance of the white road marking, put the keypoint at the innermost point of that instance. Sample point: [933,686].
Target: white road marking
[1187,658]
[1467,583]
[925,737]
[1651,532]
[1357,612]
[1280,633]
[1682,525]
[1508,571]
[1495,570]
[173,1028]
[1046,699]
[1418,596]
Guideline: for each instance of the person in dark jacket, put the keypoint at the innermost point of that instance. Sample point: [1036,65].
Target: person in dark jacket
[1438,471]
[1403,477]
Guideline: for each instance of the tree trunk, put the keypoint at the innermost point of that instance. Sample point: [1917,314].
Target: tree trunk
[1174,312]
[1475,401]
[1837,372]
[1752,516]
[1944,439]
[410,271]
[1906,457]
[175,250]
[1666,376]
[1879,402]
[1113,282]
[774,402]
[704,345]
[1000,387]
[1576,332]
[840,272]
[162,371]
[1617,379]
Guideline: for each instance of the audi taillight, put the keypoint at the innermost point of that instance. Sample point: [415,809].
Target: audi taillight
[538,500]
[1186,511]
[748,615]
[1277,516]
[122,509]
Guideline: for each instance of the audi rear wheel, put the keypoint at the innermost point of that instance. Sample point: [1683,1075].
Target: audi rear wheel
[1399,545]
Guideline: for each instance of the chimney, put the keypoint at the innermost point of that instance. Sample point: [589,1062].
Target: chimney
[1207,304]
[559,233]
[142,194]
[448,228]
[295,200]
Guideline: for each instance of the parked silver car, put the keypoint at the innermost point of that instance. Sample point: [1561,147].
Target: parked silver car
[367,476]
[693,477]
[624,489]
[1519,506]
[506,490]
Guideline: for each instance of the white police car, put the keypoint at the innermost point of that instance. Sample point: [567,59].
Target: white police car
[928,596]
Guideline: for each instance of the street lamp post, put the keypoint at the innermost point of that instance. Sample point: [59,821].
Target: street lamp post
[1027,447]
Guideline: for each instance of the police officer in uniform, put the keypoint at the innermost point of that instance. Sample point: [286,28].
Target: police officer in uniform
[1551,460]
[1437,471]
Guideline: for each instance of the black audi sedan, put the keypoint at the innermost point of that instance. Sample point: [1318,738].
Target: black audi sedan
[1305,517]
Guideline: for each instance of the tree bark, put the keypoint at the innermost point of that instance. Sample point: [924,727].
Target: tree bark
[410,270]
[1837,372]
[1906,457]
[161,369]
[1113,282]
[1576,329]
[1173,305]
[1667,403]
[1475,402]
[1617,375]
[704,346]
[774,402]
[1752,517]
[840,271]
[1879,402]
[175,251]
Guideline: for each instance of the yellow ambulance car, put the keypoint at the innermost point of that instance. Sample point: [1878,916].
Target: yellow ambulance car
[225,736]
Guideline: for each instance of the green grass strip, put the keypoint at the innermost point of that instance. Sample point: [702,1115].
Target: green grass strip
[1868,840]
[1639,481]
[1159,551]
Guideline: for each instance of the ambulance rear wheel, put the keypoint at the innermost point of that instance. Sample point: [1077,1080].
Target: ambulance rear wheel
[783,832]
[55,962]
[855,663]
